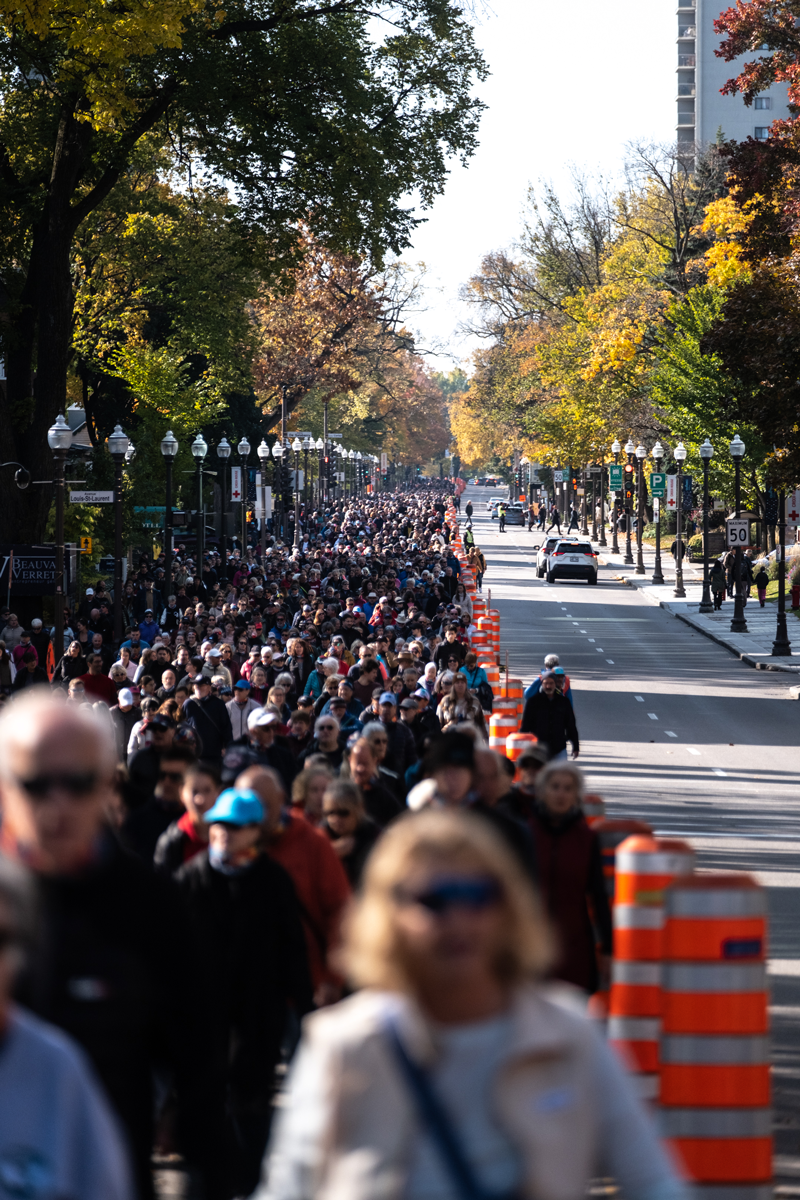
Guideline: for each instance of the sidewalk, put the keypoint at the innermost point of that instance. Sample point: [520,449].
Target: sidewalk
[753,647]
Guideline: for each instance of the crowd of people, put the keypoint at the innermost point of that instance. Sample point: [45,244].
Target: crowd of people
[253,807]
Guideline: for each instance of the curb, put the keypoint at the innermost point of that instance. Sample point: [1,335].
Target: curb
[748,659]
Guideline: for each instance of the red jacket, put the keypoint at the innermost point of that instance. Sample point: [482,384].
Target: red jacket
[322,888]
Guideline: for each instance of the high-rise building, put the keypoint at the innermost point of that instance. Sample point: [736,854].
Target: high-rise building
[703,112]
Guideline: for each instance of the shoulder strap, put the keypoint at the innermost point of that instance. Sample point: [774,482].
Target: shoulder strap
[435,1121]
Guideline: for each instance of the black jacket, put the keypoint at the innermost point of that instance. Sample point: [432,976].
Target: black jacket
[118,969]
[364,838]
[142,828]
[211,720]
[552,720]
[256,963]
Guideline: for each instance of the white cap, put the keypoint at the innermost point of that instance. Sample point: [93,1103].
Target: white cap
[125,696]
[259,718]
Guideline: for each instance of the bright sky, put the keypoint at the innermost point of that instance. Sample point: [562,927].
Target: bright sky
[572,82]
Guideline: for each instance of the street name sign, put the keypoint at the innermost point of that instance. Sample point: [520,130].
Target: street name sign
[615,477]
[91,497]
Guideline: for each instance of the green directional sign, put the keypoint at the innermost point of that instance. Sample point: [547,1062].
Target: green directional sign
[658,484]
[615,478]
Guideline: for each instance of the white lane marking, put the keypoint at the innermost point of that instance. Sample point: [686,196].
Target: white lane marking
[718,771]
[576,622]
[592,639]
[669,733]
[610,660]
[652,716]
[600,650]
[639,698]
[581,631]
[691,750]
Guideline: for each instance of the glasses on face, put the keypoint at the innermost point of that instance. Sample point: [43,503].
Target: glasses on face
[326,729]
[174,776]
[338,812]
[474,893]
[76,784]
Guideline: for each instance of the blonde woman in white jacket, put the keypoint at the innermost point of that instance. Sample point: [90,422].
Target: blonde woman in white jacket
[453,1074]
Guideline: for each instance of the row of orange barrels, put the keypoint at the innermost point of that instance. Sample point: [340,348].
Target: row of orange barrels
[688,1008]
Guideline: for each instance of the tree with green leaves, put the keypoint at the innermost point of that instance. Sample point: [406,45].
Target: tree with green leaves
[325,111]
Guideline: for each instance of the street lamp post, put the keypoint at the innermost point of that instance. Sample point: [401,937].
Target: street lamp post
[320,447]
[59,439]
[615,449]
[679,454]
[630,450]
[243,450]
[641,455]
[602,503]
[658,575]
[224,453]
[594,504]
[706,454]
[277,506]
[199,449]
[359,474]
[308,442]
[297,446]
[169,448]
[781,647]
[584,509]
[263,457]
[738,623]
[118,446]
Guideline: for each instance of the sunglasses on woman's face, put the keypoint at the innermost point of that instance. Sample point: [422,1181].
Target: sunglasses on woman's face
[475,893]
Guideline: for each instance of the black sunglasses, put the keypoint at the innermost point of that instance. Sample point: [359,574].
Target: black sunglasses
[77,784]
[175,776]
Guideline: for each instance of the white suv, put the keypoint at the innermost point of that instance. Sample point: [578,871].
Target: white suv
[547,545]
[572,560]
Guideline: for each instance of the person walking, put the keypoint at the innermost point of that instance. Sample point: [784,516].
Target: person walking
[247,918]
[718,582]
[468,511]
[501,517]
[761,581]
[549,716]
[570,875]
[451,1073]
[555,519]
[574,520]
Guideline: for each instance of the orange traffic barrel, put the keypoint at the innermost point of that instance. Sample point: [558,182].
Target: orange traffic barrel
[478,608]
[612,832]
[715,1054]
[644,867]
[513,689]
[517,743]
[500,726]
[594,808]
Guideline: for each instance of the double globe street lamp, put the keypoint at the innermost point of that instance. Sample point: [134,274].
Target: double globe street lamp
[169,449]
[641,455]
[224,453]
[706,454]
[243,450]
[615,449]
[679,454]
[199,450]
[59,439]
[121,450]
[658,455]
[738,624]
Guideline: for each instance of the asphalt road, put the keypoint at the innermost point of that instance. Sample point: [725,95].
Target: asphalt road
[678,732]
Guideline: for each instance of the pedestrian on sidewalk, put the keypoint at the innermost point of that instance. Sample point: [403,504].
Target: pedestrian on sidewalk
[718,582]
[730,566]
[574,521]
[761,581]
[674,550]
[549,716]
[555,519]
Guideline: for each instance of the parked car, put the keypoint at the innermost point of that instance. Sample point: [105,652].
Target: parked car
[547,545]
[572,560]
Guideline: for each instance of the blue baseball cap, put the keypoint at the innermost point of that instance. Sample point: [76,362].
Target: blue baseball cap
[242,683]
[235,806]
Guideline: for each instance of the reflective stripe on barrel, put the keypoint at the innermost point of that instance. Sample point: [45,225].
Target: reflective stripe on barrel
[636,1039]
[594,808]
[715,997]
[721,1145]
[500,726]
[492,671]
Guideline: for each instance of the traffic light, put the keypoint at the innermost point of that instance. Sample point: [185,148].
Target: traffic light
[628,480]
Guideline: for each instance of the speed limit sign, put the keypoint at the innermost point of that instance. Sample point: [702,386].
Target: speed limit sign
[738,530]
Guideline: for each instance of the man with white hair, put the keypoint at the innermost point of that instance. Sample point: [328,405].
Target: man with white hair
[116,968]
[327,741]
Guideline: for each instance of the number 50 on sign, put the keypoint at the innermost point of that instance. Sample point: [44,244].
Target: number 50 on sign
[738,531]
